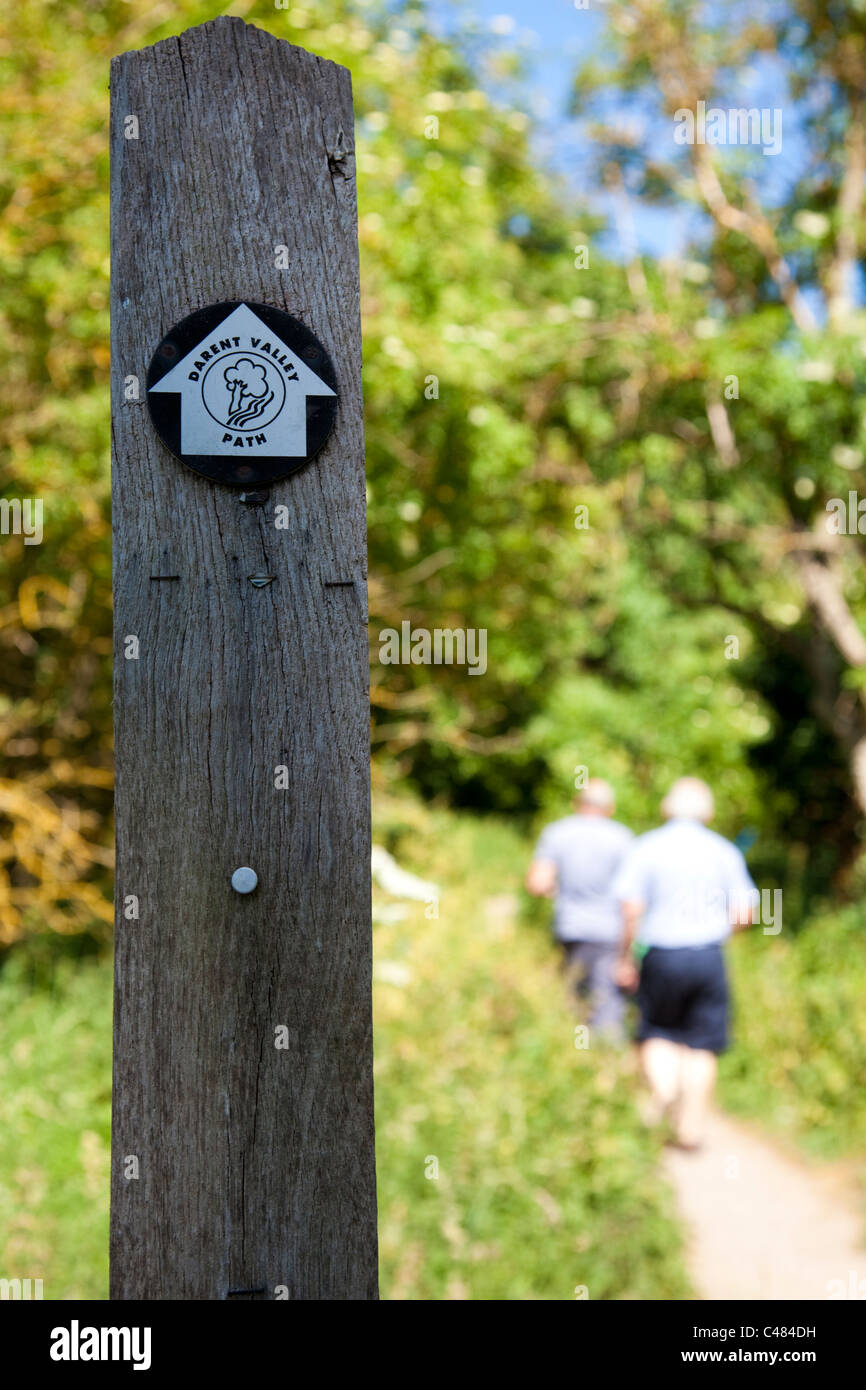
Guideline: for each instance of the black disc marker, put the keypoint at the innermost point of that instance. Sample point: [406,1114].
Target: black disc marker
[242,393]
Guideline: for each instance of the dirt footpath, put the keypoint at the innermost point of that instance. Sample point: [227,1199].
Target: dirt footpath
[763,1225]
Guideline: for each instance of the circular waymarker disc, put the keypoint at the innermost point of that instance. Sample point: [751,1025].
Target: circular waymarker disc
[242,393]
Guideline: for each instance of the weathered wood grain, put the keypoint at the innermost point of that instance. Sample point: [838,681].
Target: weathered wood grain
[256,1164]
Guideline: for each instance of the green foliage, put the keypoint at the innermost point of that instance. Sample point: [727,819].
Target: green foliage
[747,364]
[55,1112]
[469,278]
[546,1179]
[800,1033]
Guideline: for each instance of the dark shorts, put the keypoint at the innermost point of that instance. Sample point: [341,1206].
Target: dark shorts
[683,996]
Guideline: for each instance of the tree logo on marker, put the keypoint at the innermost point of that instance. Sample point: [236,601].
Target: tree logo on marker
[243,391]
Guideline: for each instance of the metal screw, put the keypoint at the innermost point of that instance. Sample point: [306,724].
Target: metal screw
[244,880]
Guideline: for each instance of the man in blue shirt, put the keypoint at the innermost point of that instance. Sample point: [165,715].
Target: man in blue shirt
[682,889]
[575,862]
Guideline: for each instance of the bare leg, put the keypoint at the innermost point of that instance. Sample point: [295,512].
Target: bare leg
[698,1080]
[661,1063]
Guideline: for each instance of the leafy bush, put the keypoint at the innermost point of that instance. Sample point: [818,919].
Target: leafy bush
[546,1179]
[800,1054]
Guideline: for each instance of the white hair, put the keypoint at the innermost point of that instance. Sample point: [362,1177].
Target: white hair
[599,795]
[689,799]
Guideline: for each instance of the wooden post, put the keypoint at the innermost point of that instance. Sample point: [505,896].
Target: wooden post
[243,1162]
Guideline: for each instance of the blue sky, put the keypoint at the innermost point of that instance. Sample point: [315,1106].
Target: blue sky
[556,38]
[553,33]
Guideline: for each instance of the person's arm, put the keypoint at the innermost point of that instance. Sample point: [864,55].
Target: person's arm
[743,897]
[743,911]
[541,878]
[626,966]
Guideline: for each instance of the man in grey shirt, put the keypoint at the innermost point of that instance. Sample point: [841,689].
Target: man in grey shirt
[575,861]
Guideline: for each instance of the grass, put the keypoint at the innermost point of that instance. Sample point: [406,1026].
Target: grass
[55,1111]
[800,1033]
[546,1182]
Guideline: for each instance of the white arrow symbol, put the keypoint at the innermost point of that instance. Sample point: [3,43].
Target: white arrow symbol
[242,390]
